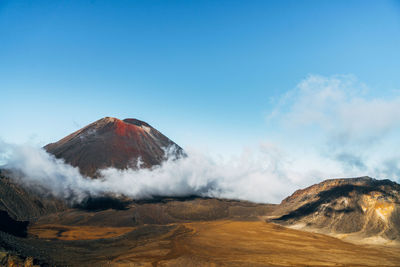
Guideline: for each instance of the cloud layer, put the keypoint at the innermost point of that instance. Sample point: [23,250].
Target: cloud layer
[346,122]
[329,127]
[256,176]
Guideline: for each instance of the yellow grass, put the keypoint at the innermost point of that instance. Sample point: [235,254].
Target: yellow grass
[63,232]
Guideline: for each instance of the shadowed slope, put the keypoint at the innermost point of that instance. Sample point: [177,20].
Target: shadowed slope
[11,226]
[23,203]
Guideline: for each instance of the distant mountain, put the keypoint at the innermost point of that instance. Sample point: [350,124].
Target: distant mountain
[363,206]
[110,142]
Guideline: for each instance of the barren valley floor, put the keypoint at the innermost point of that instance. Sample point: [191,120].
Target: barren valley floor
[210,243]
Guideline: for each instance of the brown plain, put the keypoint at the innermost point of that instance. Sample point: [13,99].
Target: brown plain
[229,243]
[62,232]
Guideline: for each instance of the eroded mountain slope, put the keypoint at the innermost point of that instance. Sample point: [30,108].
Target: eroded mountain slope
[365,207]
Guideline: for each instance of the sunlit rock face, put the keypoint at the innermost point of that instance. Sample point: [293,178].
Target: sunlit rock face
[110,142]
[365,206]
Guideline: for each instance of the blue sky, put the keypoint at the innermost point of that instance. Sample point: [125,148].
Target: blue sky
[205,73]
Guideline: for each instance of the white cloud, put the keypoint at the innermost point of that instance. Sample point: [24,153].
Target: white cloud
[340,111]
[259,176]
[340,106]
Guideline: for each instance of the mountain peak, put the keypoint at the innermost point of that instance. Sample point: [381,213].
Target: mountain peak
[111,142]
[136,122]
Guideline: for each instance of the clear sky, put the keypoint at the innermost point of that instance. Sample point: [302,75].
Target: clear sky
[265,96]
[205,73]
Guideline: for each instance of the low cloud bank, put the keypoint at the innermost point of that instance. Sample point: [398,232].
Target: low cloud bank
[255,175]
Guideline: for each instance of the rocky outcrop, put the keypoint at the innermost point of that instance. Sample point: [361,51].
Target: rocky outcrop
[10,259]
[363,206]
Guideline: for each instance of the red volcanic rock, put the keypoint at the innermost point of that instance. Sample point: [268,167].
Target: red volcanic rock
[110,142]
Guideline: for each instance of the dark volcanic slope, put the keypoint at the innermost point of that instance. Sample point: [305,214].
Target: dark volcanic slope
[19,205]
[161,211]
[368,207]
[110,142]
[23,204]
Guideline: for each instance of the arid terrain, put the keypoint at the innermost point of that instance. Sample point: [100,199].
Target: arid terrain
[78,239]
[213,243]
[184,232]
